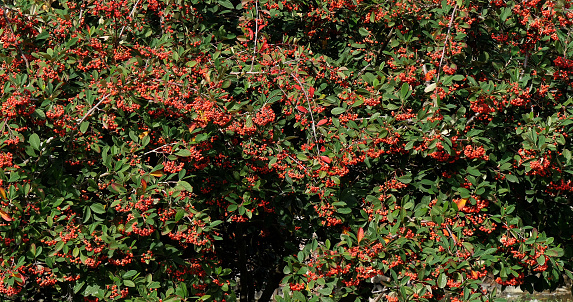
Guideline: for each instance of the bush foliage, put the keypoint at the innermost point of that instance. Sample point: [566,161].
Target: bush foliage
[182,150]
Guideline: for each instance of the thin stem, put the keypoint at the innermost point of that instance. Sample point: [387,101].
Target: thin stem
[130,14]
[93,109]
[444,48]
[155,150]
[14,34]
[309,110]
[256,33]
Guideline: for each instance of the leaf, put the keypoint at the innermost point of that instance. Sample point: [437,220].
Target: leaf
[406,179]
[3,193]
[326,159]
[116,188]
[322,122]
[98,208]
[5,216]
[430,87]
[128,283]
[511,178]
[185,185]
[157,173]
[180,214]
[442,280]
[464,193]
[227,4]
[404,90]
[34,141]
[337,110]
[555,252]
[363,31]
[91,290]
[78,287]
[84,126]
[302,109]
[360,234]
[183,153]
[461,203]
[129,274]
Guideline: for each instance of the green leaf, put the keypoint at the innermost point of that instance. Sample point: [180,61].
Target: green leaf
[227,4]
[185,185]
[84,126]
[430,87]
[404,91]
[98,208]
[442,280]
[183,153]
[59,246]
[91,290]
[555,252]
[34,141]
[511,178]
[179,215]
[473,171]
[337,110]
[128,283]
[464,193]
[405,178]
[363,31]
[129,274]
[78,287]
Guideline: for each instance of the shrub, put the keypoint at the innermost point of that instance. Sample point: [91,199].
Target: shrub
[216,149]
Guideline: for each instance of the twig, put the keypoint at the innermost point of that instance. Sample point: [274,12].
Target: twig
[524,65]
[155,150]
[93,109]
[130,13]
[472,119]
[445,44]
[14,34]
[309,110]
[297,162]
[256,33]
[451,235]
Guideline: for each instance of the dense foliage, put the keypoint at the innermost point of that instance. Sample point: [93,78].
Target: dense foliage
[175,150]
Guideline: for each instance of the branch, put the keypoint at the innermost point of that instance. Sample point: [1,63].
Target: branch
[130,14]
[256,33]
[155,150]
[93,109]
[310,111]
[14,34]
[445,44]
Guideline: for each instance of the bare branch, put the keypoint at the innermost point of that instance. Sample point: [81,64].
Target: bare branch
[130,14]
[256,33]
[445,45]
[14,34]
[93,108]
[160,147]
[309,110]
